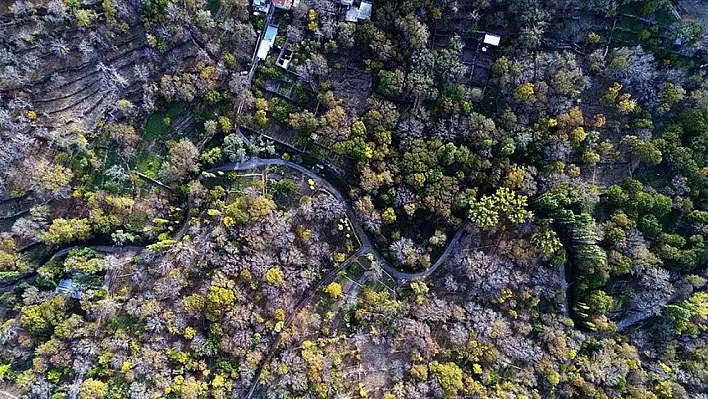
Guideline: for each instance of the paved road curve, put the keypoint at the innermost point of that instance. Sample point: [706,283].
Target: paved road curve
[366,245]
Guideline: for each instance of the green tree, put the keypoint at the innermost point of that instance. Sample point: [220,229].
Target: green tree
[616,195]
[304,122]
[546,238]
[93,389]
[248,208]
[285,187]
[642,150]
[51,178]
[274,276]
[41,318]
[153,10]
[450,377]
[391,83]
[599,302]
[626,104]
[689,316]
[662,205]
[63,231]
[486,211]
[524,92]
[649,225]
[483,212]
[218,299]
[388,215]
[334,290]
[671,94]
[181,160]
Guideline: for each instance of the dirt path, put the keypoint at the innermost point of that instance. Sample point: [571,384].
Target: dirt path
[306,298]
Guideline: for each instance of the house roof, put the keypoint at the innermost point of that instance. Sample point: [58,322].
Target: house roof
[260,5]
[364,10]
[267,42]
[66,286]
[352,14]
[492,40]
[286,4]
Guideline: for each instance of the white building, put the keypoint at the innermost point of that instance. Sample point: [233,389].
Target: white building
[355,13]
[492,40]
[267,42]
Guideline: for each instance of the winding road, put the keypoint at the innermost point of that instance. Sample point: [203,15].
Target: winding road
[366,245]
[366,248]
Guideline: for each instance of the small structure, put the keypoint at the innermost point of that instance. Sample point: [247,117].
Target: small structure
[355,12]
[286,4]
[492,40]
[267,42]
[477,54]
[67,286]
[364,10]
[286,55]
[260,6]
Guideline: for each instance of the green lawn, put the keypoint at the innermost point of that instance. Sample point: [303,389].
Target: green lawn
[632,24]
[148,164]
[155,128]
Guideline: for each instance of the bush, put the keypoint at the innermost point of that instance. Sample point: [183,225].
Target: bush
[63,231]
[93,389]
[334,290]
[649,225]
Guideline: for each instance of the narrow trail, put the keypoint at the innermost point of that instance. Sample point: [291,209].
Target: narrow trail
[8,395]
[304,301]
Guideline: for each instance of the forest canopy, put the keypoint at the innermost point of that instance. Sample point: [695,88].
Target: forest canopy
[337,199]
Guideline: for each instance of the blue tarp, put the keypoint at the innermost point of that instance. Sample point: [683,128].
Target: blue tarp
[267,42]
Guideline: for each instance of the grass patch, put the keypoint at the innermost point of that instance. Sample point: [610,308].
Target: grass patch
[122,321]
[665,17]
[210,111]
[11,275]
[625,37]
[100,180]
[676,60]
[155,128]
[489,104]
[148,164]
[632,24]
[634,8]
[213,6]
